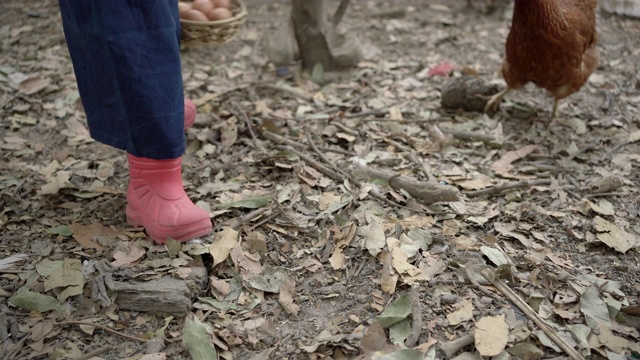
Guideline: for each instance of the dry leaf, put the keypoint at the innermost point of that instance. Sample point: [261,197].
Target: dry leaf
[374,236]
[33,84]
[503,165]
[91,236]
[491,335]
[374,339]
[337,260]
[229,133]
[327,199]
[54,183]
[128,253]
[286,295]
[463,313]
[222,244]
[508,230]
[613,236]
[219,288]
[389,277]
[615,343]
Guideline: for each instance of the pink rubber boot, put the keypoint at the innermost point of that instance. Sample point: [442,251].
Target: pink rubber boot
[156,200]
[189,113]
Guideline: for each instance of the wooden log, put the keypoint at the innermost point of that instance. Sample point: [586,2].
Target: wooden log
[168,295]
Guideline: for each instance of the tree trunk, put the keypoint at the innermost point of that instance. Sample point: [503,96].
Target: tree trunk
[318,40]
[312,32]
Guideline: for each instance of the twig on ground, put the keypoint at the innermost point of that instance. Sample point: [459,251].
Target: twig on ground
[17,347]
[450,348]
[581,151]
[416,317]
[608,194]
[248,217]
[206,315]
[366,113]
[608,155]
[427,193]
[426,168]
[344,128]
[247,122]
[398,145]
[508,186]
[490,275]
[543,167]
[101,327]
[279,139]
[473,137]
[314,164]
[360,268]
[288,89]
[95,353]
[469,271]
[262,222]
[438,137]
[313,146]
[572,193]
[392,120]
[330,173]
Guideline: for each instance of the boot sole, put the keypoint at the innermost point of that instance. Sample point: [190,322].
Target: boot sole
[181,233]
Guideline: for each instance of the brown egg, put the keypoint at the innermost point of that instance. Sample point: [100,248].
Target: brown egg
[183,6]
[219,14]
[222,3]
[194,15]
[204,6]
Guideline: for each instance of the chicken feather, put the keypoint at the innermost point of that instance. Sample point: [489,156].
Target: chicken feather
[552,43]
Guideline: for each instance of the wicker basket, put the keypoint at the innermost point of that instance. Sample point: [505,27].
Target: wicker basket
[198,33]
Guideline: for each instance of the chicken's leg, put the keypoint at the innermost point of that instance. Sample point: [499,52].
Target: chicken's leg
[554,111]
[494,101]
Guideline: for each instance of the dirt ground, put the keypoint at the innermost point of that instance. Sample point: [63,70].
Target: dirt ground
[311,257]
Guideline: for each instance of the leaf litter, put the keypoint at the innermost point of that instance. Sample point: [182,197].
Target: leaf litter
[332,204]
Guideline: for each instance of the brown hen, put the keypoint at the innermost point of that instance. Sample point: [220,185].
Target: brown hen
[552,43]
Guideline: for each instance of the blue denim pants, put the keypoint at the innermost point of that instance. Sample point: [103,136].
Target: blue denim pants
[126,58]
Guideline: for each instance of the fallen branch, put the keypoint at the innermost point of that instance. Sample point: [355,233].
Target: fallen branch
[438,137]
[344,128]
[95,353]
[354,117]
[313,146]
[416,317]
[508,186]
[426,192]
[101,327]
[335,176]
[490,275]
[469,270]
[278,139]
[314,164]
[590,196]
[235,225]
[474,137]
[398,145]
[426,168]
[288,89]
[249,127]
[450,348]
